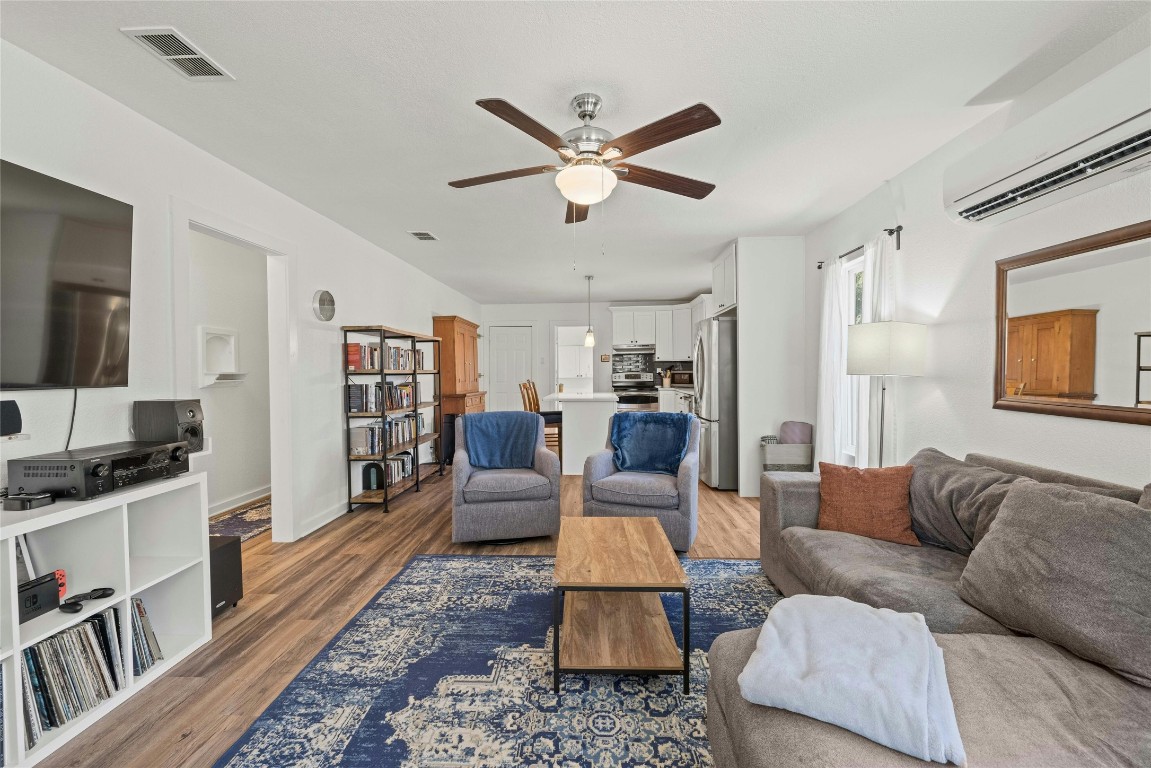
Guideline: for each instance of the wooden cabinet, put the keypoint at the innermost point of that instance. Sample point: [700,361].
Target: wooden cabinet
[630,327]
[723,281]
[459,364]
[1052,354]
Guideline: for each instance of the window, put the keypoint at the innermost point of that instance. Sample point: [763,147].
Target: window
[854,314]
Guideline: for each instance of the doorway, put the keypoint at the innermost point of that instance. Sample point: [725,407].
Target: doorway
[575,363]
[228,300]
[510,355]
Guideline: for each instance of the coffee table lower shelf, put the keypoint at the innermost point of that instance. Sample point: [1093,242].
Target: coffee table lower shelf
[616,631]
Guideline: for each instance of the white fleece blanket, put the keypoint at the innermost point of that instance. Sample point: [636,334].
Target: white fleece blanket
[870,670]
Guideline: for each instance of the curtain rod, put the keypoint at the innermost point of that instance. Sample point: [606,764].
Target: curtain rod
[893,231]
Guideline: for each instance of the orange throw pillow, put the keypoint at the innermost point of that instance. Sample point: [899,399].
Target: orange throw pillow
[867,502]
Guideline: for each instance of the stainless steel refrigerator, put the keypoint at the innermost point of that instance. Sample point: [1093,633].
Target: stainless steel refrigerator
[715,403]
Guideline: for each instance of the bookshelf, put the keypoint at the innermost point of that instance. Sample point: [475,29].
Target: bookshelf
[392,410]
[149,542]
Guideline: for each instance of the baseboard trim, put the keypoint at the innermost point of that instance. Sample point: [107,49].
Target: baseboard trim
[315,522]
[238,501]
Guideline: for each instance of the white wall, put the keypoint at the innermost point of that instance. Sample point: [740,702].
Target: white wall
[1122,294]
[230,290]
[945,276]
[57,125]
[770,349]
[542,317]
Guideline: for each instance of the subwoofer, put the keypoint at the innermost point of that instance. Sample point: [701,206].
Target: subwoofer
[170,420]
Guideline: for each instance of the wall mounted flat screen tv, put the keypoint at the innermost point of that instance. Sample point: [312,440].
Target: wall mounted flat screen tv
[65,283]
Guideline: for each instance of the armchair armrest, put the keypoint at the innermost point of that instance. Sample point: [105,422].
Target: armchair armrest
[595,468]
[461,473]
[788,499]
[548,464]
[687,483]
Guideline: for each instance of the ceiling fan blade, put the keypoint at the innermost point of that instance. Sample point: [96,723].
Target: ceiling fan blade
[509,114]
[668,182]
[576,213]
[535,169]
[683,123]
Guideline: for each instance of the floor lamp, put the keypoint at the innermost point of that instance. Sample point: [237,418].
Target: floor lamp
[885,349]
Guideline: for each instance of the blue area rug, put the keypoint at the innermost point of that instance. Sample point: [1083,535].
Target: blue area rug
[450,665]
[246,522]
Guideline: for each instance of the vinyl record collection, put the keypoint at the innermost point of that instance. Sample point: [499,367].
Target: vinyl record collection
[73,671]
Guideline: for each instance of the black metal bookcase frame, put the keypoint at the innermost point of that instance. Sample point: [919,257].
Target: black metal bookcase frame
[383,335]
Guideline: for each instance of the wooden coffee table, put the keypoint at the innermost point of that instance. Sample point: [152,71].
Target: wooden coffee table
[609,573]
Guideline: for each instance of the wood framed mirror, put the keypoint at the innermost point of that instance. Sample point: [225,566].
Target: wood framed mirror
[1073,328]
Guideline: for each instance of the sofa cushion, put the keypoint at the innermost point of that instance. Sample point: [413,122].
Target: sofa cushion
[1145,499]
[953,502]
[885,575]
[1070,567]
[1045,475]
[866,502]
[639,489]
[506,485]
[1019,701]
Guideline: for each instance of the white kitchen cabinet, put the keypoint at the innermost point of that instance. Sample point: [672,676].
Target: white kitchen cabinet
[669,400]
[683,402]
[723,281]
[645,327]
[574,362]
[664,336]
[622,328]
[632,326]
[682,338]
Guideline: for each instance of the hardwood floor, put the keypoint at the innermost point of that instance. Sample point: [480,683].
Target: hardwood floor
[297,596]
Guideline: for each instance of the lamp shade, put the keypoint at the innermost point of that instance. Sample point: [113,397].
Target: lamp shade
[886,349]
[589,338]
[586,183]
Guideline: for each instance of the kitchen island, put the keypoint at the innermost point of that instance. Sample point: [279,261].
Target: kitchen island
[585,422]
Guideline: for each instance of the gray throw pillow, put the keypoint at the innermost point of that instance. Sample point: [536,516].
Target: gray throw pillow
[953,502]
[1072,568]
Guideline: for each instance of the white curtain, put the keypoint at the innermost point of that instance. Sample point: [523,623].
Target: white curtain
[830,419]
[878,305]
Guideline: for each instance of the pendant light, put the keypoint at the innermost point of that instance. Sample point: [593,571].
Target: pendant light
[589,337]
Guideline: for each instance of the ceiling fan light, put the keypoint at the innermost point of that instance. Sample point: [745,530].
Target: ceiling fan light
[586,183]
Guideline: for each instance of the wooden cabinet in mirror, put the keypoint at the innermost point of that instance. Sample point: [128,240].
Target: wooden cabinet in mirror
[1070,319]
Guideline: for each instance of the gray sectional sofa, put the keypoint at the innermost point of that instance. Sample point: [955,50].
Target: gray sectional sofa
[1020,701]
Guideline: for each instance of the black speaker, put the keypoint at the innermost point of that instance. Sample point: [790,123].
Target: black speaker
[10,421]
[170,420]
[227,572]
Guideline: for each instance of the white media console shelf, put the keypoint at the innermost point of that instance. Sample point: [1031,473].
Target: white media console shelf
[150,542]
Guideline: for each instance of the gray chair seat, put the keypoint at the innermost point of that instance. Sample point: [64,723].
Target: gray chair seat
[641,489]
[506,485]
[885,575]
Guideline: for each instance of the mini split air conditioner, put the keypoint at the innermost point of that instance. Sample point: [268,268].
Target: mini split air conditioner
[1098,134]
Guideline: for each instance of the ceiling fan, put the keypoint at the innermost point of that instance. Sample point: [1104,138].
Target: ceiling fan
[591,156]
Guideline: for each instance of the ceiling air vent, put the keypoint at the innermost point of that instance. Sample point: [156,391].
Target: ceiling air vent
[423,235]
[167,44]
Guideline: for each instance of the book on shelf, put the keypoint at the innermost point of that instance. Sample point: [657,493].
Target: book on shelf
[372,439]
[362,357]
[143,640]
[363,398]
[405,358]
[400,466]
[70,673]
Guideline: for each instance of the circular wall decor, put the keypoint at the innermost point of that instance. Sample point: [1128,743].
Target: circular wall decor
[324,305]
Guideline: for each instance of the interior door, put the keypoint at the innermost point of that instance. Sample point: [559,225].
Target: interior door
[510,352]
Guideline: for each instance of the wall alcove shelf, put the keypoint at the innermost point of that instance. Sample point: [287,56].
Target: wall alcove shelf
[392,384]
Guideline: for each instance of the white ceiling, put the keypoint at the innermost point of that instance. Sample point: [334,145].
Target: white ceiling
[365,110]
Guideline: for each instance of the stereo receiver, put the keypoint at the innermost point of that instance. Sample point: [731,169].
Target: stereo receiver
[85,473]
